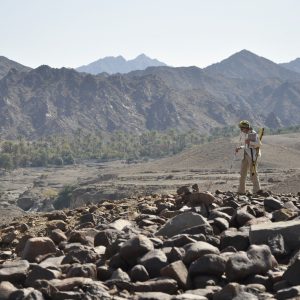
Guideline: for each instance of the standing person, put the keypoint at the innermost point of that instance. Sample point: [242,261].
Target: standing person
[251,152]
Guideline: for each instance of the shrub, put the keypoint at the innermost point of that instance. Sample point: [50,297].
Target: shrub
[64,197]
[6,161]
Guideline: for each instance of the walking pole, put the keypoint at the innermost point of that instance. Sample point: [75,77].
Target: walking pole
[233,159]
[254,161]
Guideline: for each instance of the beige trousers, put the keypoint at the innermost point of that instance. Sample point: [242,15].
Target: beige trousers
[245,166]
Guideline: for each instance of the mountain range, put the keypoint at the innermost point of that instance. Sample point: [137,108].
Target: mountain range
[293,65]
[119,64]
[43,101]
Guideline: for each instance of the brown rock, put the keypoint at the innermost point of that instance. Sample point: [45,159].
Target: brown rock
[139,273]
[160,284]
[14,271]
[86,270]
[178,271]
[198,198]
[137,246]
[198,249]
[38,246]
[57,236]
[6,289]
[257,260]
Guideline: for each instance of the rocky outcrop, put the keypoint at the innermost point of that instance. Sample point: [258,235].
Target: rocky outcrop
[192,245]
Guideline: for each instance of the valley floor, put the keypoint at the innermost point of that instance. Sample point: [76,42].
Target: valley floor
[212,166]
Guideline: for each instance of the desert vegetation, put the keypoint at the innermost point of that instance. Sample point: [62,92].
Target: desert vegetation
[65,150]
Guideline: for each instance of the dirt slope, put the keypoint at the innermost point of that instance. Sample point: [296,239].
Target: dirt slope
[278,151]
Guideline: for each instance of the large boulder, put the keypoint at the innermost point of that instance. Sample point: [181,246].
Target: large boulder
[14,271]
[292,274]
[25,202]
[261,233]
[197,250]
[38,246]
[257,260]
[134,248]
[180,223]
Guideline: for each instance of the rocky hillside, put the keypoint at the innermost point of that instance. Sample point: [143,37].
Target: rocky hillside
[189,245]
[45,101]
[119,64]
[7,64]
[245,86]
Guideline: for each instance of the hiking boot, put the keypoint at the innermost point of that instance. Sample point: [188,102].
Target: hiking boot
[263,193]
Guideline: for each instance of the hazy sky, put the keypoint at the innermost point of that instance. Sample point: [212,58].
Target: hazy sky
[72,33]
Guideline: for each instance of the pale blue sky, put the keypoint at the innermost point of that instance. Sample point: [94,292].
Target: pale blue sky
[72,33]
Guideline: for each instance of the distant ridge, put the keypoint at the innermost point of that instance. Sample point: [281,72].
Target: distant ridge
[119,64]
[247,65]
[7,64]
[293,65]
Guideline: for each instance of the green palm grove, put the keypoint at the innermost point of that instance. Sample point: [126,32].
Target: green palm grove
[66,150]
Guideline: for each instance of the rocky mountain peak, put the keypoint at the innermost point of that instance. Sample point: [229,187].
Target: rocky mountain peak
[247,65]
[7,64]
[112,58]
[142,56]
[119,64]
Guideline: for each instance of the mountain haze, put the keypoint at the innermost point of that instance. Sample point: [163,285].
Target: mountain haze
[119,64]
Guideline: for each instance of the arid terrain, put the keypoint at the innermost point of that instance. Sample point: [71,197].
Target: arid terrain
[212,166]
[162,239]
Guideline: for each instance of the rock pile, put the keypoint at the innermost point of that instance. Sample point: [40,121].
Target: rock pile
[192,245]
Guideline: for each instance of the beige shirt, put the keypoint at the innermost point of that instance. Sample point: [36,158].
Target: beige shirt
[254,144]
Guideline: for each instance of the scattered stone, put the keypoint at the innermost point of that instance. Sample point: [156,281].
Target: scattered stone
[180,223]
[106,237]
[38,272]
[135,247]
[82,270]
[139,273]
[178,271]
[198,198]
[289,293]
[257,260]
[292,274]
[196,250]
[57,215]
[260,233]
[6,289]
[38,246]
[208,264]
[194,245]
[154,261]
[14,271]
[57,236]
[120,224]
